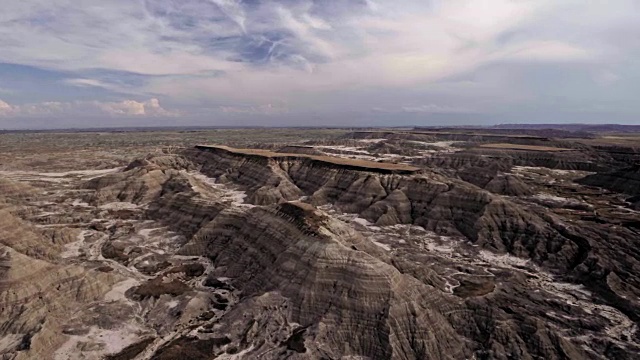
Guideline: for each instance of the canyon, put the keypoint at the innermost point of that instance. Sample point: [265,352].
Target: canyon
[320,244]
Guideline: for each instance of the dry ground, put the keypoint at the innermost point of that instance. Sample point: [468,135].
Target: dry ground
[629,140]
[507,146]
[328,159]
[52,151]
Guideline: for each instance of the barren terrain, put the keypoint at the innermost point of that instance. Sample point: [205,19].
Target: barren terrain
[522,147]
[319,244]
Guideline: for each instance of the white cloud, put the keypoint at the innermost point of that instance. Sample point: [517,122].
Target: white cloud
[5,108]
[125,108]
[233,9]
[553,51]
[86,83]
[372,5]
[388,49]
[220,53]
[305,29]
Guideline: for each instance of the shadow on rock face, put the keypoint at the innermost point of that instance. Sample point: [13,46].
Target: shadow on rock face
[156,287]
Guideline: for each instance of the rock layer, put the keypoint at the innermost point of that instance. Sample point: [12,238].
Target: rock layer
[295,260]
[626,181]
[224,253]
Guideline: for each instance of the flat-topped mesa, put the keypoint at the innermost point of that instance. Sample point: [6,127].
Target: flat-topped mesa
[330,161]
[300,149]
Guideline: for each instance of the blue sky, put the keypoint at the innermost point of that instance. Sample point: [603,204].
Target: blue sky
[88,63]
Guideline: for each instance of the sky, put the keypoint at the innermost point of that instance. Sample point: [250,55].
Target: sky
[97,63]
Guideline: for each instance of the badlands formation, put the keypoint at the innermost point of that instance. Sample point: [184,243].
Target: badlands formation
[381,244]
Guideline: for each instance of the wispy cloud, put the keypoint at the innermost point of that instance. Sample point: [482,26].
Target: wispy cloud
[311,55]
[234,10]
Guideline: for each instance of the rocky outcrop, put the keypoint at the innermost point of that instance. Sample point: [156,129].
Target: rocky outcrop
[323,284]
[279,255]
[37,297]
[31,241]
[627,155]
[432,201]
[263,180]
[625,181]
[440,204]
[12,191]
[328,280]
[36,292]
[293,279]
[570,160]
[506,184]
[492,179]
[140,182]
[184,211]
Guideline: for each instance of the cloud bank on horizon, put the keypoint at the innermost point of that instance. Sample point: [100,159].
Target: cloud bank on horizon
[311,62]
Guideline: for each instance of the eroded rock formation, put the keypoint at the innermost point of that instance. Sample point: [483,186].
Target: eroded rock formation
[626,180]
[220,253]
